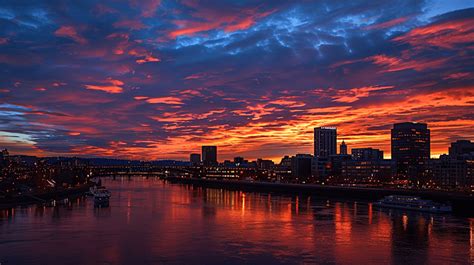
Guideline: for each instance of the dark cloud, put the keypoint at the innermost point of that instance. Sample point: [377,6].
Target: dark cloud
[156,79]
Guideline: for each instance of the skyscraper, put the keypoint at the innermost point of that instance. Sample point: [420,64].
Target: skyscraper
[411,150]
[209,155]
[325,141]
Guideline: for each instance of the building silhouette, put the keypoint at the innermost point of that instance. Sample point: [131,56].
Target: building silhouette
[461,149]
[456,170]
[366,154]
[325,141]
[195,159]
[411,151]
[209,155]
[301,167]
[343,148]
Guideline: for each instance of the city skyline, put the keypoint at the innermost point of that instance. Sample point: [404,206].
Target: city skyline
[160,79]
[210,155]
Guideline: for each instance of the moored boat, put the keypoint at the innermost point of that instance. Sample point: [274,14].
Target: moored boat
[101,196]
[413,203]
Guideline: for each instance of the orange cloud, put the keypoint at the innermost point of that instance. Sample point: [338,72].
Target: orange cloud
[140,98]
[113,86]
[354,94]
[165,100]
[148,59]
[70,32]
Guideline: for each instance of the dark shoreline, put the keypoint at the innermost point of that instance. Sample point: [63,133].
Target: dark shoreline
[463,204]
[42,198]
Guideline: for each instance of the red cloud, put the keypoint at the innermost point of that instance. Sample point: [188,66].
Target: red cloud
[113,86]
[70,32]
[228,23]
[461,75]
[241,25]
[3,41]
[148,7]
[444,35]
[131,24]
[394,64]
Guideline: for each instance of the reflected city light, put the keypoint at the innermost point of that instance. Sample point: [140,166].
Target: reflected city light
[405,222]
[471,225]
[370,213]
[183,223]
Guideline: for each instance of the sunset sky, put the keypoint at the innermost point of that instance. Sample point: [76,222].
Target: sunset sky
[151,79]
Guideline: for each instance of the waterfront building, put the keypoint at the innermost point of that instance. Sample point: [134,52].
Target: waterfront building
[456,170]
[209,155]
[265,164]
[325,141]
[321,169]
[449,173]
[462,149]
[301,167]
[195,159]
[286,162]
[4,156]
[410,144]
[334,166]
[368,172]
[343,148]
[366,154]
[283,170]
[240,160]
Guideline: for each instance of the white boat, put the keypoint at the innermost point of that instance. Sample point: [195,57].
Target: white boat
[101,196]
[413,203]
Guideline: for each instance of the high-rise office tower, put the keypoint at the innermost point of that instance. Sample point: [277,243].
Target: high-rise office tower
[411,150]
[325,141]
[209,155]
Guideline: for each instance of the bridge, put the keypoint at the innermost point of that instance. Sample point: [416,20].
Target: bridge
[143,171]
[178,171]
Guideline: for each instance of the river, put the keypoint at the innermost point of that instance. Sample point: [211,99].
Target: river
[150,221]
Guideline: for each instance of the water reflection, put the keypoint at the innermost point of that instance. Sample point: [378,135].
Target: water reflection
[151,222]
[472,239]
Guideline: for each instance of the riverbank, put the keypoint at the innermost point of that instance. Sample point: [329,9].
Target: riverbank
[462,203]
[27,199]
